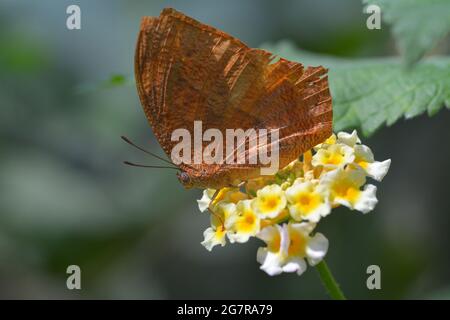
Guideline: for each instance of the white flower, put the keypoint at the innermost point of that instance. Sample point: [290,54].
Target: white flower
[282,210]
[316,249]
[333,156]
[365,159]
[307,201]
[220,219]
[345,189]
[213,237]
[269,201]
[350,139]
[244,224]
[301,245]
[273,255]
[204,202]
[288,246]
[364,156]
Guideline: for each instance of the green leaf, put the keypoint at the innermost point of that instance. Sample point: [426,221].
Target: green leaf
[368,93]
[417,25]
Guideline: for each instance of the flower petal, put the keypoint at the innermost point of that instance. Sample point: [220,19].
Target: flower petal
[304,227]
[363,153]
[367,200]
[204,202]
[295,264]
[268,233]
[316,249]
[377,170]
[349,139]
[270,262]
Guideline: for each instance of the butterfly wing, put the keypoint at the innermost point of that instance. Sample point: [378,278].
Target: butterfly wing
[187,71]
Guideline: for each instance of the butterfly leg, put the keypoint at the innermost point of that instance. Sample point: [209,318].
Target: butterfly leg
[242,183]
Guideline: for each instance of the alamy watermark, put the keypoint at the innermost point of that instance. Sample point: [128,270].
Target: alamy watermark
[73,21]
[238,146]
[374,20]
[74,279]
[374,278]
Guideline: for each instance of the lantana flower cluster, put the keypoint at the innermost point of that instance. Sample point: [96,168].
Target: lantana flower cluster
[283,210]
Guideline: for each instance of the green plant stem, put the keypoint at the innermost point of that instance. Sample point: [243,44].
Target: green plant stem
[329,282]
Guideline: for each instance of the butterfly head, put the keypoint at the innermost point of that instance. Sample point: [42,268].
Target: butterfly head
[185,179]
[195,178]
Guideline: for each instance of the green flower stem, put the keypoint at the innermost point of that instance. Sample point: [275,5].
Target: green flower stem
[329,282]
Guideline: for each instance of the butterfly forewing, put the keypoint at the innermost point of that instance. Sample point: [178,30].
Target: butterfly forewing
[187,71]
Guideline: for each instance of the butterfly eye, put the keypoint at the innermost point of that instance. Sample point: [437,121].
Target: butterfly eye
[184,178]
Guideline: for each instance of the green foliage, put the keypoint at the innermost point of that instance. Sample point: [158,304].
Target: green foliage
[370,92]
[417,25]
[21,54]
[115,80]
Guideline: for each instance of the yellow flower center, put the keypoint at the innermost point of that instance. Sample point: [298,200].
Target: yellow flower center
[250,219]
[334,158]
[305,199]
[246,223]
[297,245]
[270,203]
[363,164]
[347,191]
[307,202]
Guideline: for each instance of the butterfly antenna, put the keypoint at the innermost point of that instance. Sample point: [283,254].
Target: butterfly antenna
[146,151]
[128,163]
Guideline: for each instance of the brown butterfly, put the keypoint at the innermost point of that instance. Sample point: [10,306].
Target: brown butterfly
[187,71]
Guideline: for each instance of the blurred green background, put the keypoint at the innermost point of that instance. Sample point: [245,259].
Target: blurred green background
[66,198]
